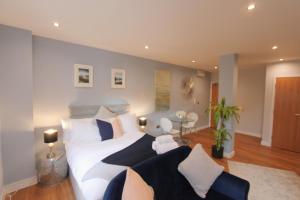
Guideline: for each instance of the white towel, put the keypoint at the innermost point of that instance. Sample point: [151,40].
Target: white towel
[163,148]
[154,145]
[164,139]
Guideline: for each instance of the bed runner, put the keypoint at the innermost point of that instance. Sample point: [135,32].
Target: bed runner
[133,154]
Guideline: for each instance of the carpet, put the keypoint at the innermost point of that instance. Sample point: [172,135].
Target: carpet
[267,183]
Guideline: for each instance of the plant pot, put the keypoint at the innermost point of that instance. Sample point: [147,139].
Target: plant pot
[217,153]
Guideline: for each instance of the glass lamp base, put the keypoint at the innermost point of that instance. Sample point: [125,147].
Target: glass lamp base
[51,155]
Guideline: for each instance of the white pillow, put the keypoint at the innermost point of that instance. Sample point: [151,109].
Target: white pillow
[200,170]
[84,130]
[104,113]
[128,123]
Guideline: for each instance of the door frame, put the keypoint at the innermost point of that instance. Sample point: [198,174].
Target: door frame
[210,100]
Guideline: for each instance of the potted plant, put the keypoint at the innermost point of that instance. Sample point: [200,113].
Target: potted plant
[222,113]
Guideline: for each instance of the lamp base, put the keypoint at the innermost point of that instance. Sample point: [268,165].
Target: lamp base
[50,155]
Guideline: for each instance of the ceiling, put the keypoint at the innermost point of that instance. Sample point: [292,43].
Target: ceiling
[176,31]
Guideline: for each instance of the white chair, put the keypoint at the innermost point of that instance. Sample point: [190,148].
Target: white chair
[180,114]
[190,125]
[167,126]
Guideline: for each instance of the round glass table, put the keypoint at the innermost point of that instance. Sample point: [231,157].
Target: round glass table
[181,121]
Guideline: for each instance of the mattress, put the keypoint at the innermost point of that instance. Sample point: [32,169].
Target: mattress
[89,175]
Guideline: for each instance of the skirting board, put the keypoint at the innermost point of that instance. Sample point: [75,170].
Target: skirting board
[265,143]
[248,133]
[19,185]
[229,155]
[201,127]
[197,129]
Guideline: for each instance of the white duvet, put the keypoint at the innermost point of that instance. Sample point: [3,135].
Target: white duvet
[91,174]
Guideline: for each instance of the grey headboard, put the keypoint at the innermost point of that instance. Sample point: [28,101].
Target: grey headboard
[86,111]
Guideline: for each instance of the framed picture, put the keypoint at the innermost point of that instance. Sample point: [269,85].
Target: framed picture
[118,78]
[83,75]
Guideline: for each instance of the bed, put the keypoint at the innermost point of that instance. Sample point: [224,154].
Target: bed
[93,164]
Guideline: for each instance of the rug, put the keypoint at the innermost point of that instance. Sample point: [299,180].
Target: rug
[267,183]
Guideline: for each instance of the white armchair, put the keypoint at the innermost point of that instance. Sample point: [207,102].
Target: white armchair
[190,125]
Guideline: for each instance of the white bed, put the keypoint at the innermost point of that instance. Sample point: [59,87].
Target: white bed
[88,174]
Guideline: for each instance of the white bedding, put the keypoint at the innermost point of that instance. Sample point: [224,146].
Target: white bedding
[91,174]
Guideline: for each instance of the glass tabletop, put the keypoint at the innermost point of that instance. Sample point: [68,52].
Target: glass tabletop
[183,120]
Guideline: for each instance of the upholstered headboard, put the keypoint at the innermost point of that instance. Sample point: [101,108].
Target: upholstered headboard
[86,111]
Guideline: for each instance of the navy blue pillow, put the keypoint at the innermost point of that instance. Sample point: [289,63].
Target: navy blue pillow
[105,129]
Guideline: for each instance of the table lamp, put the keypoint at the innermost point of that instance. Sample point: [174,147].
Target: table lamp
[50,136]
[142,122]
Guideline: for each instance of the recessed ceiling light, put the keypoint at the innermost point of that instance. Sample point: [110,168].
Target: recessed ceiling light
[216,67]
[275,47]
[251,6]
[193,61]
[146,47]
[281,59]
[56,24]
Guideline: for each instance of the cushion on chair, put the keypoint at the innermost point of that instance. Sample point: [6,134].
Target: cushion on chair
[200,170]
[135,187]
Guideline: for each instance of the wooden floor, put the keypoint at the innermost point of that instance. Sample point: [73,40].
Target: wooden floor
[248,150]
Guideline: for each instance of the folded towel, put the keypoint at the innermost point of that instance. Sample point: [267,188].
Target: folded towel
[164,139]
[163,148]
[154,145]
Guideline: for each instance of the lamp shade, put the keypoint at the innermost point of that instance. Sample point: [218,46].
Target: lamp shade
[143,121]
[50,136]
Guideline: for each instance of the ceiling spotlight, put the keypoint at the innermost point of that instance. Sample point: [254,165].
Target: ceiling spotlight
[146,47]
[193,61]
[251,6]
[216,67]
[56,24]
[281,59]
[275,47]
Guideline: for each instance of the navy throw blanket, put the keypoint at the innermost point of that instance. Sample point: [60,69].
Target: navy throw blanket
[133,154]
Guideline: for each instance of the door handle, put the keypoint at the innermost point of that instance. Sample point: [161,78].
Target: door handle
[297,114]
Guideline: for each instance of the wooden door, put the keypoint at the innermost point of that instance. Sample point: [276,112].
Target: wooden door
[286,123]
[214,101]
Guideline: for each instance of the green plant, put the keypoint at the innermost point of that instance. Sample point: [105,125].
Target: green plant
[223,113]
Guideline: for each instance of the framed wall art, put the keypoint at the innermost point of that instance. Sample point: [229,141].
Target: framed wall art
[83,75]
[118,79]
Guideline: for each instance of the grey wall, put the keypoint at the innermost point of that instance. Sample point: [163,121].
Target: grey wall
[54,90]
[214,77]
[1,162]
[36,86]
[250,96]
[282,69]
[16,102]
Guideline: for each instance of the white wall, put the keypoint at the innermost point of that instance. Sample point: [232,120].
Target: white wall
[283,69]
[250,96]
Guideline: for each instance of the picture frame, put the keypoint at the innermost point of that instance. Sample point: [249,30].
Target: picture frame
[118,78]
[83,75]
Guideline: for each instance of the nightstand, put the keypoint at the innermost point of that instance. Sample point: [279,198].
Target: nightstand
[52,170]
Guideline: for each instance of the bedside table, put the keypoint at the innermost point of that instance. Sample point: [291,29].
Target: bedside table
[52,170]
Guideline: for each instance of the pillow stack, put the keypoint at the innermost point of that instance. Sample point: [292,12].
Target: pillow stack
[105,125]
[109,128]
